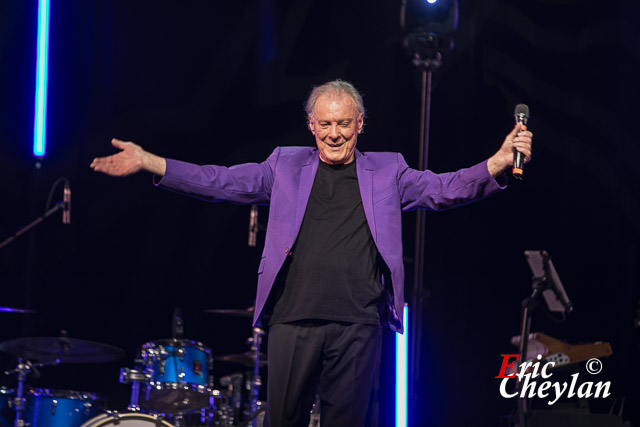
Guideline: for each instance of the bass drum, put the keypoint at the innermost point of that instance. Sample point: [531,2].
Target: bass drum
[126,420]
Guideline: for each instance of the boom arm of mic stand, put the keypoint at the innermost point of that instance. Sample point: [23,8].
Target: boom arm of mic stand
[59,205]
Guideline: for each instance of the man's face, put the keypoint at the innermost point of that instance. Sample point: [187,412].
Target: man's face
[336,124]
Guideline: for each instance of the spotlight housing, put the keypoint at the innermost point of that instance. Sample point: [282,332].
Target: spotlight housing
[429,26]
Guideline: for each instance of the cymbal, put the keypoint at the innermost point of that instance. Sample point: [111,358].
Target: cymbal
[237,312]
[246,359]
[16,310]
[68,350]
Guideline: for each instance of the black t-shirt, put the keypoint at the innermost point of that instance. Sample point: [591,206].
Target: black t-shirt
[332,271]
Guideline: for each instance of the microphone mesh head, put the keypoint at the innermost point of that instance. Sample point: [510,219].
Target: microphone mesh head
[521,109]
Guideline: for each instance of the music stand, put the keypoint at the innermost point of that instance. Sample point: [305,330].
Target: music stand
[546,282]
[553,292]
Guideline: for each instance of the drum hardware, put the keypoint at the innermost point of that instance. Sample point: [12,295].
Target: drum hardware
[256,381]
[251,359]
[180,352]
[233,393]
[254,417]
[135,377]
[23,369]
[314,420]
[212,415]
[154,356]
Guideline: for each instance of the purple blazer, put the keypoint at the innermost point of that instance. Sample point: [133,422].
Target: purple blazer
[387,186]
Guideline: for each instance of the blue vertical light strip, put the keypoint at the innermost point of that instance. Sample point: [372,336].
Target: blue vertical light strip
[42,71]
[402,364]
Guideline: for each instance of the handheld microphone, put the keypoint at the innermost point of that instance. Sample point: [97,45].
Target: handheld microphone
[66,204]
[521,115]
[253,225]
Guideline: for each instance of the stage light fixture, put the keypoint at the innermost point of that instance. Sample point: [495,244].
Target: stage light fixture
[402,368]
[42,71]
[429,28]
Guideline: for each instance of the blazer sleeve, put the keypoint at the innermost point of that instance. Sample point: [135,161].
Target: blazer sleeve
[432,191]
[248,183]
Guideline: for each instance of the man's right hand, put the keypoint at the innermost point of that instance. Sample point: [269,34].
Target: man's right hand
[131,159]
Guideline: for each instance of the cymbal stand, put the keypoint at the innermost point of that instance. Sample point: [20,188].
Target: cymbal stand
[315,411]
[23,369]
[256,381]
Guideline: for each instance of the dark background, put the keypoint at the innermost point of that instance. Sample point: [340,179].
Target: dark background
[224,82]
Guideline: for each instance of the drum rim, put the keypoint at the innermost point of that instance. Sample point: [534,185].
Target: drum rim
[172,385]
[105,416]
[171,342]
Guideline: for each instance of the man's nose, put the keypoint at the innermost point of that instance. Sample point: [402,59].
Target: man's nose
[333,132]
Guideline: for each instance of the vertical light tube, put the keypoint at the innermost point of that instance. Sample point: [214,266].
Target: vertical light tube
[402,351]
[42,71]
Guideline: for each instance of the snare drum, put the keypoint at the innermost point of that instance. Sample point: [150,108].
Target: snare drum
[60,408]
[180,376]
[126,420]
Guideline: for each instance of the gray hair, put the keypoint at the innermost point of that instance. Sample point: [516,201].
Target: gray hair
[337,87]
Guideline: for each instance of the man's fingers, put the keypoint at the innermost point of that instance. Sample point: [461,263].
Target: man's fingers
[524,148]
[514,132]
[98,164]
[118,144]
[95,163]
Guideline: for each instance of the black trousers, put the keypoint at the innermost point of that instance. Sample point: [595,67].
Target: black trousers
[339,357]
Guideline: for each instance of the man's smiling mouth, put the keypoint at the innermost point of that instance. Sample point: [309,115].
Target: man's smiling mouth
[335,145]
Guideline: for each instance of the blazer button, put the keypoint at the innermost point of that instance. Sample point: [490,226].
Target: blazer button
[286,251]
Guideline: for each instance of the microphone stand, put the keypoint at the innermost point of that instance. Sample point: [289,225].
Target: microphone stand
[59,205]
[48,212]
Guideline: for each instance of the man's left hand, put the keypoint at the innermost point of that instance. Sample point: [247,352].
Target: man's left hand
[519,139]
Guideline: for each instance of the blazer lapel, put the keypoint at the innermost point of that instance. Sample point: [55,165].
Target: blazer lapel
[307,175]
[365,182]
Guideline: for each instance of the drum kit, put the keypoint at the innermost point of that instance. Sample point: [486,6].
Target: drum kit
[171,383]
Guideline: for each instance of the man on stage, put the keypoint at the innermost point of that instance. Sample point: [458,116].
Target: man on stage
[331,272]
